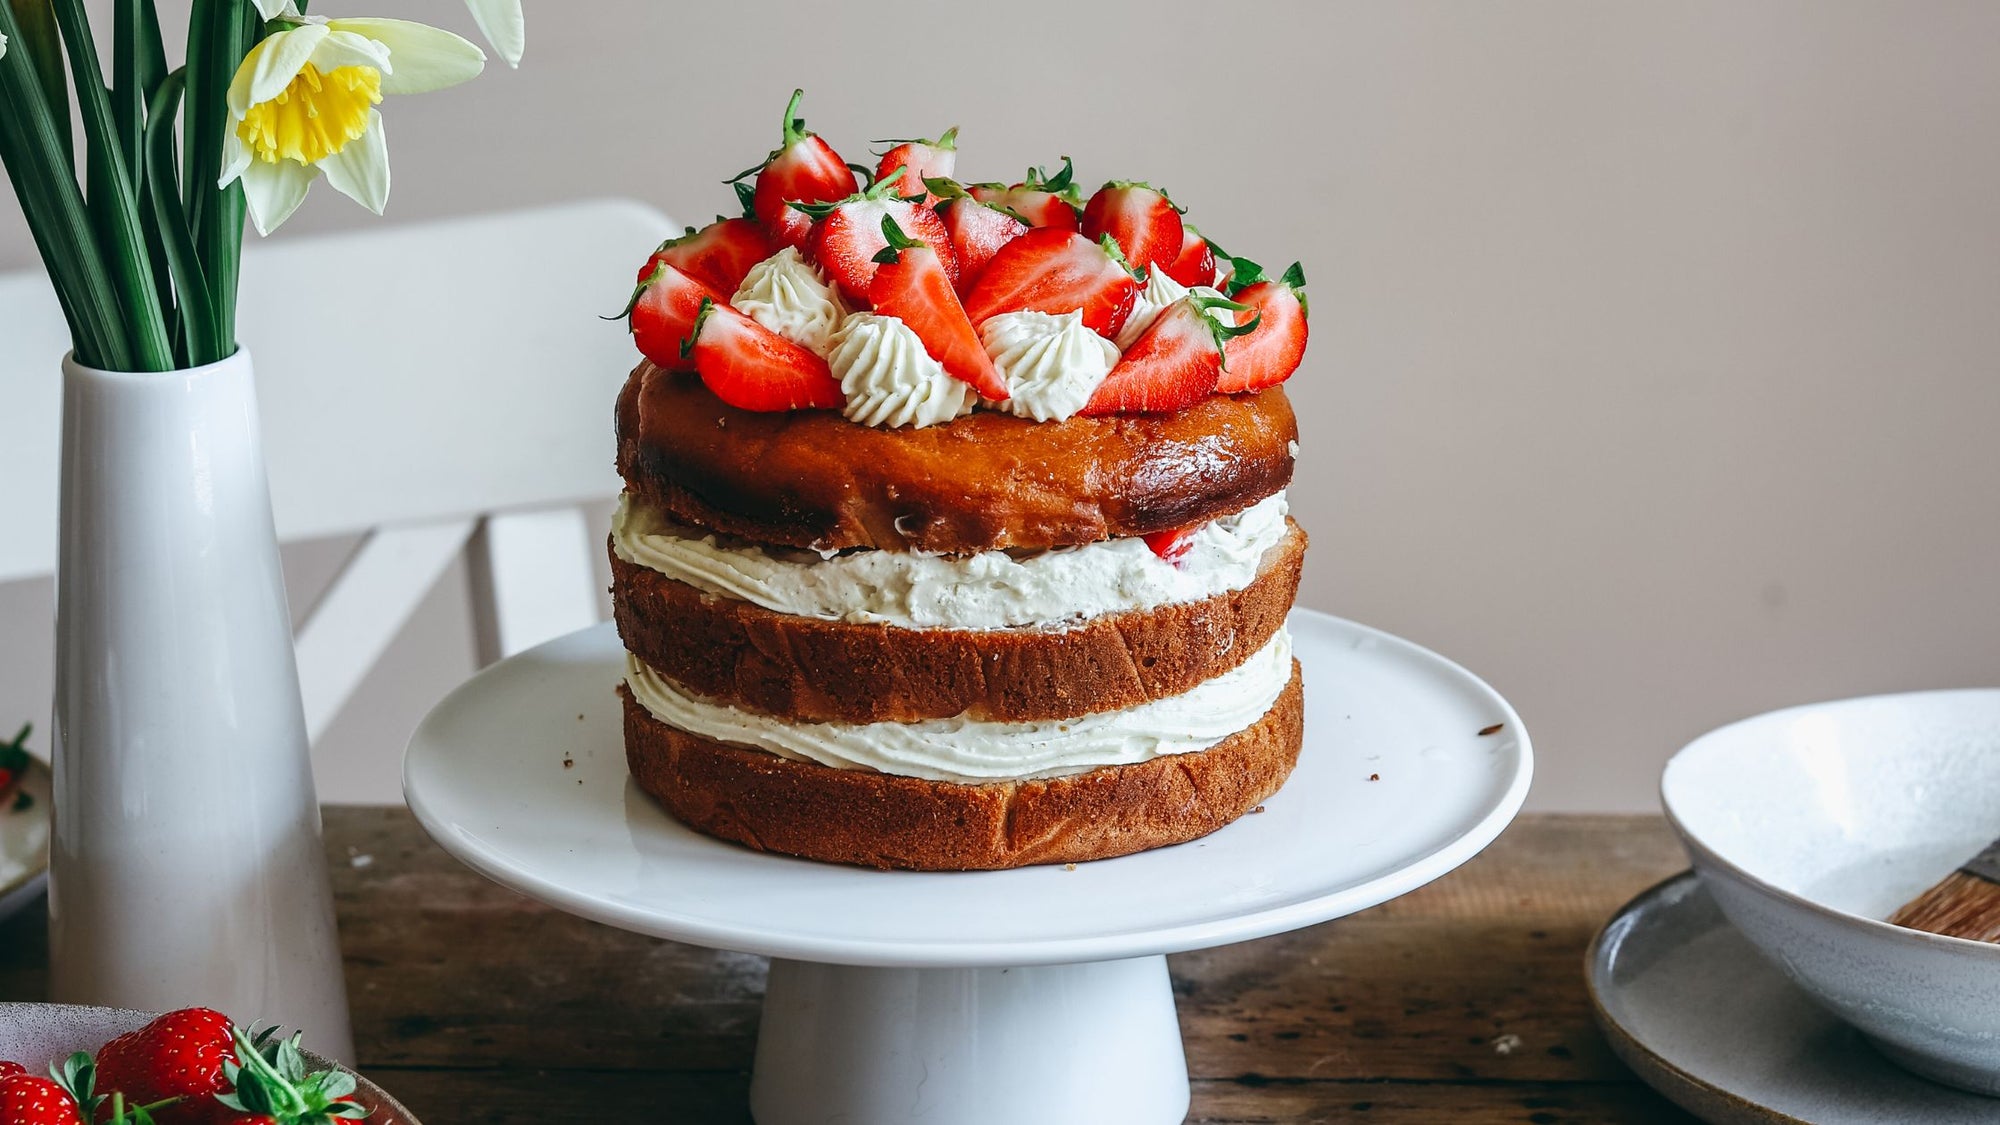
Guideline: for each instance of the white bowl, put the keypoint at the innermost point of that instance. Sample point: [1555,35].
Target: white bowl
[1811,824]
[36,1035]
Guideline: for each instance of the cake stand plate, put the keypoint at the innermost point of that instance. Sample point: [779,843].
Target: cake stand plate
[981,998]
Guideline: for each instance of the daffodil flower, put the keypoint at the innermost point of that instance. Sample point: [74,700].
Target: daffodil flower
[303,103]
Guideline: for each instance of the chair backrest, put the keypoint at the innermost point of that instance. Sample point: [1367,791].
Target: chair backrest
[429,385]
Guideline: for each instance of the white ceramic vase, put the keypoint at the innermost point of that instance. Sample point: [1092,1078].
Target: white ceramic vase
[186,866]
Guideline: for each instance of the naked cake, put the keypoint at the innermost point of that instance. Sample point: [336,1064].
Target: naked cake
[954,532]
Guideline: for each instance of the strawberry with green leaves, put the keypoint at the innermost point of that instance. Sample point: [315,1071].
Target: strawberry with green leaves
[14,761]
[802,169]
[1039,200]
[1056,271]
[912,285]
[924,161]
[194,1067]
[719,254]
[1140,219]
[847,234]
[26,1099]
[751,367]
[978,230]
[1175,364]
[1195,265]
[662,312]
[1269,355]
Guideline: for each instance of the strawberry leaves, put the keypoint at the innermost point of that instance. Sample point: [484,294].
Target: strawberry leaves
[269,1079]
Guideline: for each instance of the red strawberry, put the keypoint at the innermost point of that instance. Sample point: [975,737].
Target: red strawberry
[847,235]
[28,1100]
[10,1069]
[912,286]
[720,253]
[662,314]
[925,161]
[802,168]
[1269,355]
[1140,218]
[1040,200]
[1172,545]
[1174,365]
[1055,271]
[13,767]
[751,367]
[1196,263]
[178,1055]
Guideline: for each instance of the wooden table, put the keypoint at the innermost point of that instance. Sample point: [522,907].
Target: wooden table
[1461,1003]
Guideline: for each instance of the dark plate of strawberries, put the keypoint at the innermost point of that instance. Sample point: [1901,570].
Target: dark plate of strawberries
[70,1065]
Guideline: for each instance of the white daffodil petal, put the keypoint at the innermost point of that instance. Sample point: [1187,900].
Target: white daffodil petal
[3,46]
[272,9]
[350,48]
[235,157]
[275,190]
[361,170]
[270,67]
[501,22]
[426,57]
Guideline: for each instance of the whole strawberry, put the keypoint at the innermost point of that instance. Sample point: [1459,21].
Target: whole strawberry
[179,1055]
[28,1100]
[10,1069]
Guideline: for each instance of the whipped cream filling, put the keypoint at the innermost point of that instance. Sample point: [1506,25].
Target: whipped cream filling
[1051,589]
[1052,364]
[785,294]
[888,377]
[970,751]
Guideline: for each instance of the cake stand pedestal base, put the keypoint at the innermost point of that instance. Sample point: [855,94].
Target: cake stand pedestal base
[1052,1044]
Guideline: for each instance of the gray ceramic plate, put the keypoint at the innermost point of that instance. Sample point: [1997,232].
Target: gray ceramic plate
[1705,1020]
[24,841]
[35,1034]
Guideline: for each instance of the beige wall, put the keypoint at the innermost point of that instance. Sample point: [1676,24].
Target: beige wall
[1654,347]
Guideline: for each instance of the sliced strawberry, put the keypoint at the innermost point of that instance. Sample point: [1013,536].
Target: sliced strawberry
[751,367]
[913,286]
[978,231]
[1176,364]
[926,160]
[719,254]
[1269,355]
[662,314]
[1040,200]
[847,235]
[1140,219]
[1196,263]
[802,168]
[1172,545]
[1055,271]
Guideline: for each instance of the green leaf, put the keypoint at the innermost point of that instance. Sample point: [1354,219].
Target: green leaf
[114,201]
[38,165]
[220,33]
[44,45]
[196,308]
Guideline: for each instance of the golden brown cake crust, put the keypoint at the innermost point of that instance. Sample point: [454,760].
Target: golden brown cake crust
[880,820]
[810,670]
[811,478]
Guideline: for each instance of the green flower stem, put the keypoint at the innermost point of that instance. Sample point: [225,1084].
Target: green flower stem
[114,202]
[219,36]
[197,309]
[39,166]
[44,43]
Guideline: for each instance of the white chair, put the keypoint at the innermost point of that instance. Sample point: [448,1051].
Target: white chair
[431,386]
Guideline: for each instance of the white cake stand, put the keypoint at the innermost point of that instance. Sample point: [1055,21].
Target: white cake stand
[989,998]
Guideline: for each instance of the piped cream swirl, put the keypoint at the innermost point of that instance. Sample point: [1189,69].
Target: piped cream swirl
[785,294]
[888,377]
[1051,363]
[971,751]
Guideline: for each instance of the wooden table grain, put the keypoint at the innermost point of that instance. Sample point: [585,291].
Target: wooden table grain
[1460,1003]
